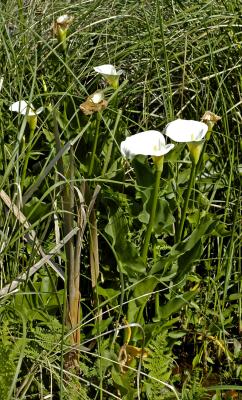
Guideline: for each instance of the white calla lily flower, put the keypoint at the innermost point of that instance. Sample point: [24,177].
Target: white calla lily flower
[28,111]
[148,143]
[185,131]
[110,73]
[107,69]
[190,132]
[24,108]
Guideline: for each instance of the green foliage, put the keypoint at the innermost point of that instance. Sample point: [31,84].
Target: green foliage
[75,390]
[7,367]
[127,254]
[193,387]
[159,364]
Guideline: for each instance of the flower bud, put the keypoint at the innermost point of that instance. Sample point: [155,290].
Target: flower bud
[60,28]
[109,72]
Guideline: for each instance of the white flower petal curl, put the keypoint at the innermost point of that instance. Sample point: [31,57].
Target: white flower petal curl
[183,131]
[39,110]
[107,70]
[148,143]
[63,19]
[24,108]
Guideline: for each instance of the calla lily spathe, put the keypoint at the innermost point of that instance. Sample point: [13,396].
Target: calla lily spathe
[185,131]
[148,143]
[28,111]
[190,132]
[107,69]
[110,73]
[24,108]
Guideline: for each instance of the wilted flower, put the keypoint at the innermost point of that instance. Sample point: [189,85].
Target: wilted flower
[209,116]
[148,143]
[190,132]
[28,110]
[94,103]
[109,72]
[210,120]
[60,28]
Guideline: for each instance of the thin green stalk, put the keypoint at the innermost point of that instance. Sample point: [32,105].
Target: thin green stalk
[69,247]
[122,290]
[26,160]
[110,146]
[226,208]
[169,98]
[199,164]
[184,209]
[23,342]
[21,17]
[230,259]
[98,120]
[152,214]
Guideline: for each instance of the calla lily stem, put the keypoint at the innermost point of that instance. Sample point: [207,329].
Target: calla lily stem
[159,169]
[198,166]
[98,120]
[184,209]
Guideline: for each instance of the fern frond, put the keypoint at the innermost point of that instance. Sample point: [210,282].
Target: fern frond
[159,365]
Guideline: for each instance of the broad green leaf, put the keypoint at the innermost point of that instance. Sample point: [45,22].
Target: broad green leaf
[235,296]
[133,311]
[143,288]
[185,249]
[124,382]
[145,180]
[174,305]
[144,174]
[101,326]
[49,135]
[187,260]
[164,219]
[46,289]
[36,209]
[177,335]
[108,293]
[129,260]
